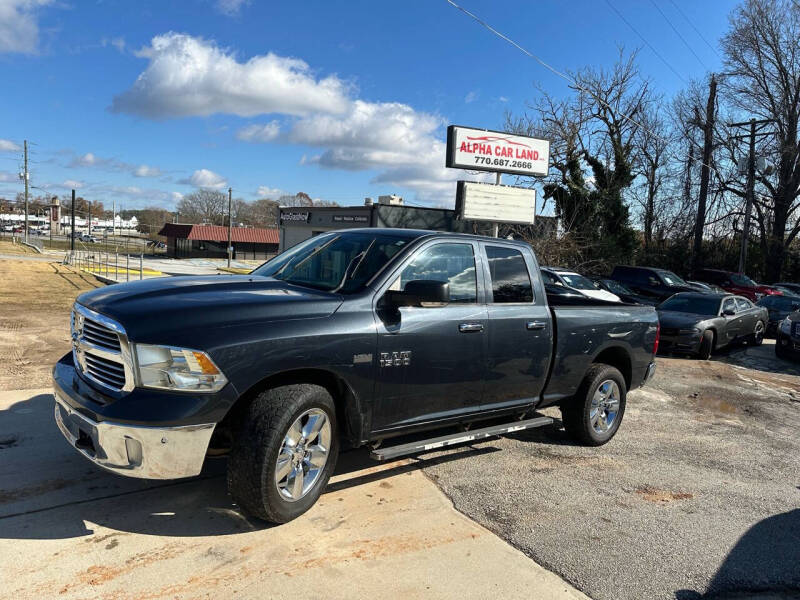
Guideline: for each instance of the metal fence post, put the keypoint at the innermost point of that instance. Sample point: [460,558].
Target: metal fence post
[127,265]
[106,261]
[141,270]
[116,265]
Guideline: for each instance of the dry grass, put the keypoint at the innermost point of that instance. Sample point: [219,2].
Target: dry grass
[35,299]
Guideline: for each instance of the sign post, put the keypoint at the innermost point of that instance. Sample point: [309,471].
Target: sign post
[496,152]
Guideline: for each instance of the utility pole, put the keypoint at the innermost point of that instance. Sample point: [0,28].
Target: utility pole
[754,126]
[230,226]
[72,226]
[25,177]
[708,145]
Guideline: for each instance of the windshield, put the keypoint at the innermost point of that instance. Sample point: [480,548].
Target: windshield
[744,280]
[670,278]
[692,304]
[579,282]
[616,287]
[342,262]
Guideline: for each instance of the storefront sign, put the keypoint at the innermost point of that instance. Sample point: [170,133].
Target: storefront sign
[502,203]
[295,216]
[495,151]
[350,219]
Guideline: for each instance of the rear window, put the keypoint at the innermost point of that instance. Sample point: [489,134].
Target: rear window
[579,282]
[742,280]
[692,304]
[510,279]
[670,278]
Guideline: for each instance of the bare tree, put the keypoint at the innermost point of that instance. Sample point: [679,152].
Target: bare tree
[762,60]
[203,206]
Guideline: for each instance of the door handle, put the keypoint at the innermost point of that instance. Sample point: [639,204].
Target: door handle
[535,325]
[470,327]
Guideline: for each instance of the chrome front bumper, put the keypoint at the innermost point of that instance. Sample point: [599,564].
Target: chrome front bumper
[136,451]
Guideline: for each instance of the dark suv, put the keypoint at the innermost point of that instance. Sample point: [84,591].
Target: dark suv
[658,284]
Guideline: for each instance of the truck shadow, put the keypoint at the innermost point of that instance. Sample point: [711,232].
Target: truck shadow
[49,491]
[762,564]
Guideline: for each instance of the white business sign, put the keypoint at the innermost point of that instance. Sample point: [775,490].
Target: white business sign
[486,150]
[503,203]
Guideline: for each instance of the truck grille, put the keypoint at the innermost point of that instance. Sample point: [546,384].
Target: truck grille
[100,350]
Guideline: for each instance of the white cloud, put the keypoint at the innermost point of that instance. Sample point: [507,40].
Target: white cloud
[117,42]
[6,176]
[503,99]
[259,133]
[72,184]
[190,76]
[204,178]
[19,26]
[471,97]
[9,146]
[176,196]
[230,7]
[88,160]
[146,171]
[264,191]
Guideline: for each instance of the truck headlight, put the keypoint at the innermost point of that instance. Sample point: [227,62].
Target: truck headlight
[786,326]
[178,369]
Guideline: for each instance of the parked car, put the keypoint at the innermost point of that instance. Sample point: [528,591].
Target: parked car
[623,292]
[735,283]
[658,284]
[778,308]
[787,341]
[570,279]
[794,287]
[784,290]
[88,238]
[349,338]
[698,323]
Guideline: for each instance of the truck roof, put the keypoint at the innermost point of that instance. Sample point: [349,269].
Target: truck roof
[419,233]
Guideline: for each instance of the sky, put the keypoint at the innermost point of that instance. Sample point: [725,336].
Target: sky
[139,103]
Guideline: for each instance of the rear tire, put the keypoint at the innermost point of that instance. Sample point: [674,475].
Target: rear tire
[757,337]
[276,470]
[593,416]
[706,345]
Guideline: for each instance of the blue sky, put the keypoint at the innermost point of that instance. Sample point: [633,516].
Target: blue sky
[140,102]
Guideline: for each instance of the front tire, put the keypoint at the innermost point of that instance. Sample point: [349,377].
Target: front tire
[706,345]
[757,337]
[284,452]
[593,416]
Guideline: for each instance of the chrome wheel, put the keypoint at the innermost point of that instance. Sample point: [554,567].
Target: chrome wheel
[303,454]
[605,406]
[758,333]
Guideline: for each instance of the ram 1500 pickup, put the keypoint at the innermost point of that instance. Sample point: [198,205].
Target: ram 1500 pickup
[347,339]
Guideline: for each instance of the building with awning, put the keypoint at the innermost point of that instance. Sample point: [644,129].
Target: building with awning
[210,241]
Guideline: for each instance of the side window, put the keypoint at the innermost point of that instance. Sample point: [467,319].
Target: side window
[729,304]
[641,277]
[548,277]
[652,280]
[742,304]
[454,263]
[510,279]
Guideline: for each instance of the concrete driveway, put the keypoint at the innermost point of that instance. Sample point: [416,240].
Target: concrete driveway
[70,530]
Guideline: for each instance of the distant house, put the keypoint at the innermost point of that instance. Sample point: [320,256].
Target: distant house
[210,241]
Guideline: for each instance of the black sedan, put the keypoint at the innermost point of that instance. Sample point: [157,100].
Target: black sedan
[778,308]
[625,293]
[697,323]
[787,340]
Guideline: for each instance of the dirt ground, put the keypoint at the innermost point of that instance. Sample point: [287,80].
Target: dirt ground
[35,297]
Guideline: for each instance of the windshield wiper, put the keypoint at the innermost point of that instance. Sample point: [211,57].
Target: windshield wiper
[316,251]
[353,266]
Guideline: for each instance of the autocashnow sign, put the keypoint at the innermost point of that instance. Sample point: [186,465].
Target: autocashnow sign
[496,151]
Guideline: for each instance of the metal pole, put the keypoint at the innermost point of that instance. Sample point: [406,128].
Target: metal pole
[230,225]
[141,257]
[496,226]
[116,265]
[72,226]
[127,267]
[25,176]
[751,182]
[106,261]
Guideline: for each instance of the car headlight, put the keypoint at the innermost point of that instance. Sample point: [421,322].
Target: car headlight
[691,331]
[178,369]
[786,326]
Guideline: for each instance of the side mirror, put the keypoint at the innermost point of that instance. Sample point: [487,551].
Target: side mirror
[420,292]
[728,312]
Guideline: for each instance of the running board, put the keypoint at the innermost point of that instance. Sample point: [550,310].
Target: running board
[392,452]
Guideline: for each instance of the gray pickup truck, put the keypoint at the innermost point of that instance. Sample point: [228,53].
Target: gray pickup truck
[351,338]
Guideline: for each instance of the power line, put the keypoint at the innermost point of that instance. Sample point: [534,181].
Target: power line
[697,31]
[678,33]
[568,78]
[648,44]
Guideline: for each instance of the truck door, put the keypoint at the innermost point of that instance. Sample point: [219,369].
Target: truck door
[520,339]
[431,360]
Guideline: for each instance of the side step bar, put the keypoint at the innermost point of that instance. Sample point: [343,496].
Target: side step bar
[417,447]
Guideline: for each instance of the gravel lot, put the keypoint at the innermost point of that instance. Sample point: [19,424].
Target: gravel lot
[697,494]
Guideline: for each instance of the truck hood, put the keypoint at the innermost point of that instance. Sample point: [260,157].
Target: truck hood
[155,306]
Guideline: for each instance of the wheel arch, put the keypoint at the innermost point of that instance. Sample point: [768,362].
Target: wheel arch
[619,358]
[348,409]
